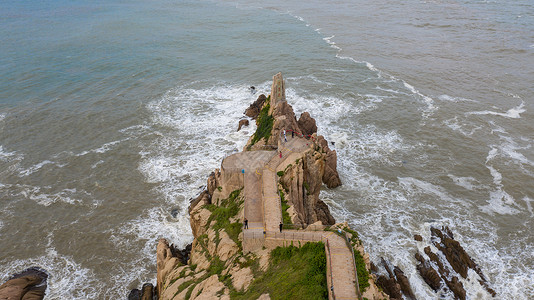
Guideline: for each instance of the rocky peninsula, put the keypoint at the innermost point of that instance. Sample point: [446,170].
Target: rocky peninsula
[260,229]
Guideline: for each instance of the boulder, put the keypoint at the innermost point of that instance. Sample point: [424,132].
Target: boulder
[242,123]
[254,109]
[418,237]
[29,284]
[307,124]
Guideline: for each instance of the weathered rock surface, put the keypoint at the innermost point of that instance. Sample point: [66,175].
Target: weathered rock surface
[242,123]
[29,284]
[254,109]
[166,262]
[307,124]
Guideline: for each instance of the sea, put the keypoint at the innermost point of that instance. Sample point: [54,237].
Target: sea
[113,114]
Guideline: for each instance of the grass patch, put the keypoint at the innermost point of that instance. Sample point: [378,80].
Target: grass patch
[264,122]
[363,275]
[221,214]
[293,273]
[286,219]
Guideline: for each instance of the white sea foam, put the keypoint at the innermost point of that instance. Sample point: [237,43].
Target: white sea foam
[67,278]
[102,149]
[8,156]
[469,183]
[461,127]
[513,113]
[500,201]
[455,99]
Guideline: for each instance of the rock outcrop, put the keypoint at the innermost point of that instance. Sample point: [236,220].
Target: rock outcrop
[307,124]
[29,284]
[217,264]
[445,278]
[254,109]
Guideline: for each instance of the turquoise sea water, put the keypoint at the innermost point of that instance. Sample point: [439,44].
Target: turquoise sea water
[113,113]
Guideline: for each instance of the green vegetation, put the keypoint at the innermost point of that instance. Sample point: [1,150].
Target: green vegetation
[221,215]
[307,187]
[286,219]
[363,275]
[280,173]
[294,273]
[264,122]
[355,237]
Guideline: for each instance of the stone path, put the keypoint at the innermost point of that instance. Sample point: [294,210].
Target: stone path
[263,210]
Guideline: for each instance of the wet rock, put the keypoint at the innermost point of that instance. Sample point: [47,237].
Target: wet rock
[390,287]
[307,124]
[430,276]
[254,109]
[29,284]
[134,294]
[147,292]
[456,287]
[418,238]
[242,123]
[404,283]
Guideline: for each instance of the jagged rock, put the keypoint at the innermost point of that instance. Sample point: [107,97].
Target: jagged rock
[390,287]
[430,276]
[254,109]
[307,124]
[434,257]
[330,175]
[456,287]
[29,284]
[418,238]
[404,283]
[242,123]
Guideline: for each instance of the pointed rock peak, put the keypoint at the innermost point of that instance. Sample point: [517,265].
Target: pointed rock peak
[278,90]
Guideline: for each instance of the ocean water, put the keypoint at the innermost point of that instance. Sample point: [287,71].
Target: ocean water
[113,113]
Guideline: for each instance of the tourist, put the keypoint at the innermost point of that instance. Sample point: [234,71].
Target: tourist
[285,138]
[246,223]
[281,225]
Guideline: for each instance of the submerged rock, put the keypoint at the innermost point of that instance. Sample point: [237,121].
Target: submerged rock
[29,284]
